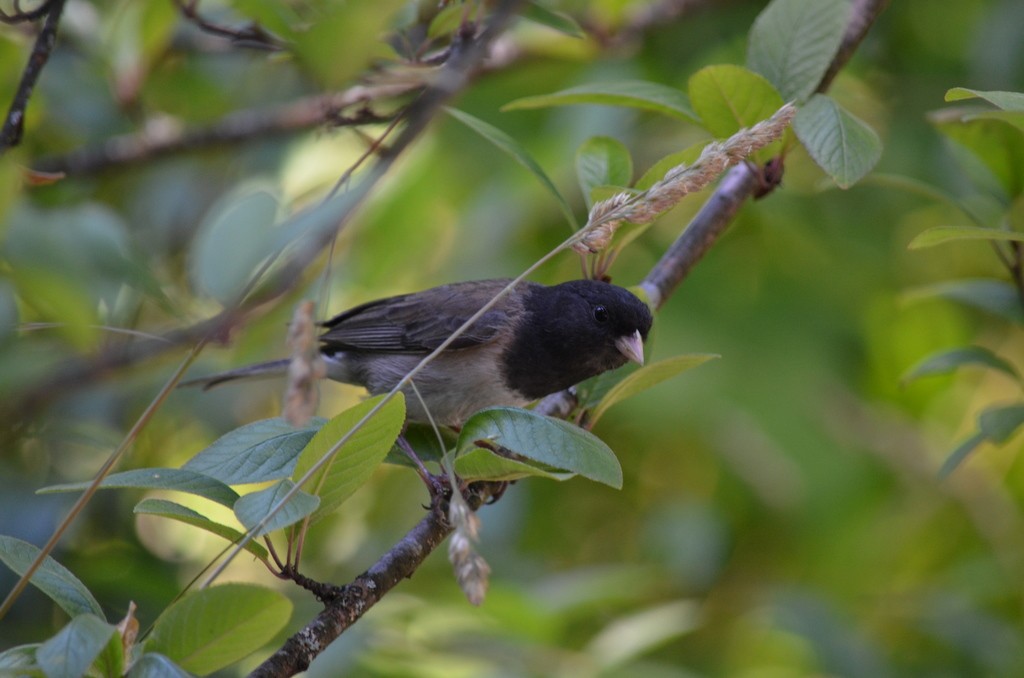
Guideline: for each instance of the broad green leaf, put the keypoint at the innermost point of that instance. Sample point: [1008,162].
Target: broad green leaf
[1000,423]
[729,98]
[215,627]
[957,456]
[179,480]
[553,442]
[111,660]
[948,361]
[943,234]
[648,376]
[72,651]
[995,144]
[251,508]
[839,143]
[993,296]
[20,661]
[1008,101]
[52,578]
[237,235]
[792,43]
[518,153]
[255,453]
[481,464]
[357,459]
[657,171]
[602,161]
[559,21]
[1014,118]
[424,442]
[648,96]
[169,509]
[155,665]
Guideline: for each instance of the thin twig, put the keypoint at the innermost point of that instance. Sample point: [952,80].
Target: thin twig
[14,123]
[20,15]
[253,35]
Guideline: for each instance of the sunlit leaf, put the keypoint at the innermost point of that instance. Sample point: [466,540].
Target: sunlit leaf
[256,452]
[251,509]
[52,578]
[648,96]
[602,161]
[73,650]
[212,628]
[995,144]
[423,440]
[648,376]
[357,459]
[179,480]
[943,234]
[729,98]
[792,43]
[839,143]
[948,361]
[173,511]
[554,442]
[518,153]
[1008,101]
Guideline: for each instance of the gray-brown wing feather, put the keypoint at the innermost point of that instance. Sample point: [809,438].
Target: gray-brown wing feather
[420,322]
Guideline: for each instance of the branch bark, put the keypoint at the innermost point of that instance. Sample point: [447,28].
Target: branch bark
[14,122]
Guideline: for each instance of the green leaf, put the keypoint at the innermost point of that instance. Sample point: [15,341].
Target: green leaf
[559,21]
[648,376]
[424,442]
[999,424]
[212,628]
[729,98]
[518,153]
[154,665]
[839,143]
[481,464]
[70,653]
[1014,118]
[52,578]
[792,43]
[179,480]
[657,171]
[993,296]
[602,161]
[111,660]
[950,360]
[957,456]
[357,459]
[20,661]
[235,238]
[995,144]
[648,96]
[255,453]
[917,187]
[169,509]
[943,234]
[554,442]
[252,508]
[1008,101]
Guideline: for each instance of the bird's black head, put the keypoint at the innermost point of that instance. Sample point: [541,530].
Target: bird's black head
[574,331]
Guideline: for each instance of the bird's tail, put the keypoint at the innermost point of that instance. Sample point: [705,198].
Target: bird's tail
[273,368]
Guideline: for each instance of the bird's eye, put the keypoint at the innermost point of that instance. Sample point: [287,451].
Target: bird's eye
[600,314]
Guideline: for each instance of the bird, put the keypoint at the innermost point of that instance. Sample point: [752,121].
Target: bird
[536,340]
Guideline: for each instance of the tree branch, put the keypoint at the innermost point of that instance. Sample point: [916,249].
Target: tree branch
[253,35]
[14,123]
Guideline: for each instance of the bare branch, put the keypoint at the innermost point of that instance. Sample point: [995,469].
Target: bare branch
[20,15]
[14,123]
[252,35]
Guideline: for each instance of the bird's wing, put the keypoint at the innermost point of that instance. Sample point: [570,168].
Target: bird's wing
[420,322]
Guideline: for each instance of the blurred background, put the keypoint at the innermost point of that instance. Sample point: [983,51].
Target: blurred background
[782,514]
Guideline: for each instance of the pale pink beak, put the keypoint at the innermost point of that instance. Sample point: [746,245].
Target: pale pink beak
[632,347]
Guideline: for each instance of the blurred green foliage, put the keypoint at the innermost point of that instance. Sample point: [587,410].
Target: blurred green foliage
[781,512]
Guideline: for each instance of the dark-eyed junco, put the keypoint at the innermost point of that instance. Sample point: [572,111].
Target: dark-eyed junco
[535,341]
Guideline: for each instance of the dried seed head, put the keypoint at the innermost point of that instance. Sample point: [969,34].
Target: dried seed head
[471,570]
[305,369]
